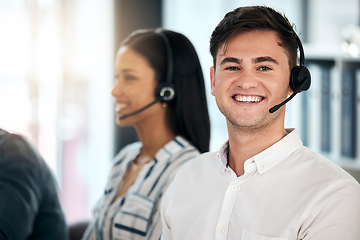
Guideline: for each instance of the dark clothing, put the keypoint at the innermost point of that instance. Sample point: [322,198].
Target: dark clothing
[29,204]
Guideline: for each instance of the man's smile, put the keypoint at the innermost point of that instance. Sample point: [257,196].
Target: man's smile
[247,99]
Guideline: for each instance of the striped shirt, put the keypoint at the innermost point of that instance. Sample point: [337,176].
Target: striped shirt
[135,215]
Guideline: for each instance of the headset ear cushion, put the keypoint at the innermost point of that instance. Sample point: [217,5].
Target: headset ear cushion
[165,92]
[300,79]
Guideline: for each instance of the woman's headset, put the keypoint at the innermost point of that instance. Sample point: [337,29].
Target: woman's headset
[165,92]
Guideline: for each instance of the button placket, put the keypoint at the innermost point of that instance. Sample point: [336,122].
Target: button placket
[227,208]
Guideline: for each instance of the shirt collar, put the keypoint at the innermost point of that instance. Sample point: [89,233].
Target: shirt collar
[171,148]
[163,154]
[223,153]
[279,151]
[271,156]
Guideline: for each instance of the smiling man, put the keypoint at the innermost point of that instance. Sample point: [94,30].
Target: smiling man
[262,183]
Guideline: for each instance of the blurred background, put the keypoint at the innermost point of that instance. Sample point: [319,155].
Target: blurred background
[57,71]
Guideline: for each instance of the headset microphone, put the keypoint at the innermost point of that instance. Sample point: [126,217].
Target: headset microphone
[305,83]
[276,107]
[139,110]
[300,78]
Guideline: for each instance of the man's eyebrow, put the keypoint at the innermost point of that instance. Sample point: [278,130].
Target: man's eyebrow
[264,59]
[230,60]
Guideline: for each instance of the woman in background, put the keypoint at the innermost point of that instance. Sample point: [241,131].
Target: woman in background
[160,91]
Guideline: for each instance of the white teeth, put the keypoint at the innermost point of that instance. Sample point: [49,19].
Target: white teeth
[120,106]
[247,99]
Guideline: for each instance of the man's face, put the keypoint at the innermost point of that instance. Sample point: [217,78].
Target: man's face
[251,76]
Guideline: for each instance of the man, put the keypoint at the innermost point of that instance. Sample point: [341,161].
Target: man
[263,183]
[29,204]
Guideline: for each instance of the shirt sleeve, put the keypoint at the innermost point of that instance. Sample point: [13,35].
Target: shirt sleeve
[335,214]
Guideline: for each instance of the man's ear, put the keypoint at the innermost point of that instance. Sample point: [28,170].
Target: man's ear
[212,80]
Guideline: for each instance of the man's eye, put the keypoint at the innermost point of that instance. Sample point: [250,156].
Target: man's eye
[264,68]
[232,68]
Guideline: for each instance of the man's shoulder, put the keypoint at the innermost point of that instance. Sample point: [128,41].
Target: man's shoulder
[324,168]
[15,145]
[19,156]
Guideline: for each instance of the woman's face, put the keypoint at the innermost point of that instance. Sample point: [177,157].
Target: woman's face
[134,88]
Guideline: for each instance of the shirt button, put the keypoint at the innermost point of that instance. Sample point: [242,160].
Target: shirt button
[221,230]
[233,187]
[261,168]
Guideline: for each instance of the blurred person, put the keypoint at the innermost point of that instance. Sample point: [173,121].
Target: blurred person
[263,183]
[29,204]
[160,91]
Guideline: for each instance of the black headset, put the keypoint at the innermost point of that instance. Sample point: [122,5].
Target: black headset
[300,78]
[165,91]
